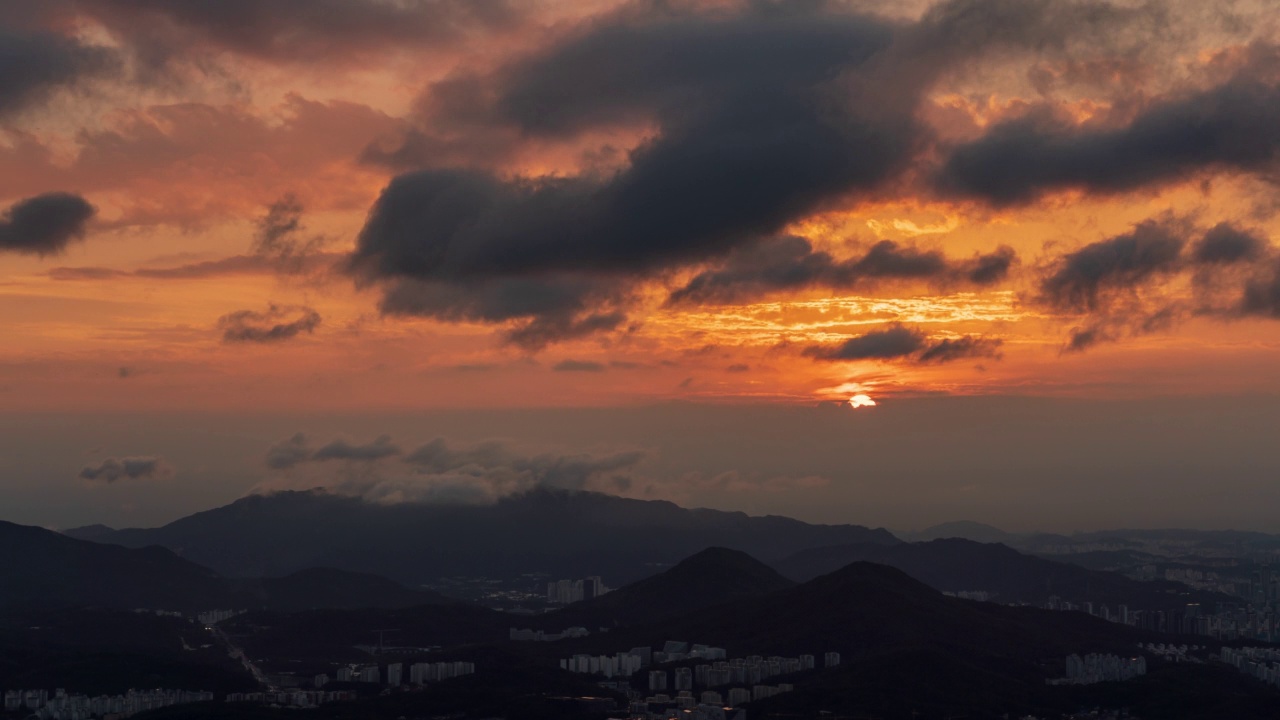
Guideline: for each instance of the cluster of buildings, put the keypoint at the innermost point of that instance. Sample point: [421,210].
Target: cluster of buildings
[213,617]
[724,683]
[1244,623]
[419,673]
[293,698]
[1096,668]
[710,705]
[1259,587]
[540,636]
[1231,622]
[625,664]
[61,706]
[563,592]
[978,595]
[1261,663]
[750,671]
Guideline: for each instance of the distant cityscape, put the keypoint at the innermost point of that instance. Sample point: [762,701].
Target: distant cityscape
[419,673]
[61,705]
[1230,622]
[564,592]
[1095,668]
[1258,662]
[710,670]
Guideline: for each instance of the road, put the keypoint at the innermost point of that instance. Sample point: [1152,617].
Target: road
[238,654]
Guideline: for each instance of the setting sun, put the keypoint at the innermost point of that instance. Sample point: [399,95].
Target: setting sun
[861,400]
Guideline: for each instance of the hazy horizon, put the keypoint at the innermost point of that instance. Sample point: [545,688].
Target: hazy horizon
[1018,463]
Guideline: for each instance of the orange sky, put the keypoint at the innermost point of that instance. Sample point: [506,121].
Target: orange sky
[182,161]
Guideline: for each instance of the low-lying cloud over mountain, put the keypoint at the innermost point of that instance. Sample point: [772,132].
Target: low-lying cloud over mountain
[113,469]
[439,471]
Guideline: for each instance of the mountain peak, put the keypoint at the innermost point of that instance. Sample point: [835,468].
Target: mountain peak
[709,577]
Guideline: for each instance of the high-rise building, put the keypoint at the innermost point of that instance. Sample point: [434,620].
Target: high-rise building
[684,678]
[657,680]
[395,673]
[831,660]
[739,696]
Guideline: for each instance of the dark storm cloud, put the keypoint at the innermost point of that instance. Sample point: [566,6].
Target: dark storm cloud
[551,308]
[895,342]
[578,366]
[128,468]
[380,448]
[969,346]
[1232,127]
[302,30]
[900,342]
[273,325]
[44,224]
[33,64]
[1226,244]
[790,263]
[747,144]
[763,114]
[1082,339]
[1262,294]
[1080,278]
[991,267]
[1128,285]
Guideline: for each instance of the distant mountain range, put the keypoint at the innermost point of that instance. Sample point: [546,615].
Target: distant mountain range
[721,597]
[45,569]
[906,648]
[574,534]
[568,534]
[1170,540]
[1011,577]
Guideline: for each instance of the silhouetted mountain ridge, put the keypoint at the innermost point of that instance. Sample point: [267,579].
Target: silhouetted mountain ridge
[46,569]
[711,577]
[962,565]
[566,533]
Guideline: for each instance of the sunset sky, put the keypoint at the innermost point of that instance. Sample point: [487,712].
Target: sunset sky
[225,224]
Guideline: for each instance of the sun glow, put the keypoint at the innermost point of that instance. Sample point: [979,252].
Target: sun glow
[861,400]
